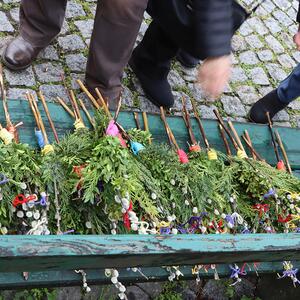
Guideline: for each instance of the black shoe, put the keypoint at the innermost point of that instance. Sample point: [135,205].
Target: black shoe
[187,60]
[269,103]
[157,90]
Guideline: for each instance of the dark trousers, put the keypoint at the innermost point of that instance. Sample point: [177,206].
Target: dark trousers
[116,26]
[172,29]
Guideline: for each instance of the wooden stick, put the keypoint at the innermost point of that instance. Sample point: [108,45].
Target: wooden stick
[247,136]
[136,119]
[197,117]
[41,96]
[118,110]
[74,105]
[33,110]
[187,119]
[163,117]
[283,152]
[40,119]
[239,142]
[226,144]
[65,106]
[251,148]
[4,98]
[275,147]
[146,125]
[92,121]
[90,96]
[103,103]
[226,129]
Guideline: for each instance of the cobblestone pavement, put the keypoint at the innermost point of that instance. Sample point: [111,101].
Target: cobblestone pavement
[263,54]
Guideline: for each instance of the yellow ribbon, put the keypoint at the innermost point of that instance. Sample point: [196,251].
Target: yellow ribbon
[212,154]
[79,124]
[6,136]
[241,154]
[48,149]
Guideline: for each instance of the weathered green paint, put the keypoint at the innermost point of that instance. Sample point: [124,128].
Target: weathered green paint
[20,111]
[38,253]
[70,278]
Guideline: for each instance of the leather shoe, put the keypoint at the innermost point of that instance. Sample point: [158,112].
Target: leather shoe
[157,90]
[19,54]
[269,103]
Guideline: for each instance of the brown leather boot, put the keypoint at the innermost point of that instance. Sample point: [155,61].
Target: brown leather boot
[19,54]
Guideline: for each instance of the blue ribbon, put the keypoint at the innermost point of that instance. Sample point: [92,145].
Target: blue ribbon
[40,138]
[136,147]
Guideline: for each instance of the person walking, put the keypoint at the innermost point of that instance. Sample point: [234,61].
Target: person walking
[278,99]
[116,26]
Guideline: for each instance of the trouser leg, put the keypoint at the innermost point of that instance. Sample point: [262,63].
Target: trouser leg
[289,89]
[115,30]
[41,20]
[155,52]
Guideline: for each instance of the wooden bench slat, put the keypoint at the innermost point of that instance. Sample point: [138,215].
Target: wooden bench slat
[68,252]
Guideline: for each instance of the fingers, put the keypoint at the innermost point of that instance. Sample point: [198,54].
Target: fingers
[214,75]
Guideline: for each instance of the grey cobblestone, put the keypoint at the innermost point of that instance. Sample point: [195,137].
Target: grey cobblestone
[76,62]
[259,76]
[5,25]
[274,44]
[85,27]
[233,106]
[254,42]
[52,91]
[273,25]
[175,79]
[74,10]
[286,61]
[20,78]
[276,72]
[17,93]
[247,94]
[49,72]
[71,42]
[248,58]
[206,112]
[49,53]
[265,55]
[238,75]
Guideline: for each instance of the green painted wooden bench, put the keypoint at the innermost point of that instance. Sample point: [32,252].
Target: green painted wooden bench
[51,260]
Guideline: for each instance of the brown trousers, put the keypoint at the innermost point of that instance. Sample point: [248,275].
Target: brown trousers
[116,26]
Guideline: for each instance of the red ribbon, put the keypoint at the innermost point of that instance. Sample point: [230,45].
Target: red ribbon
[281,166]
[262,208]
[284,220]
[183,158]
[20,199]
[78,171]
[126,220]
[122,141]
[195,148]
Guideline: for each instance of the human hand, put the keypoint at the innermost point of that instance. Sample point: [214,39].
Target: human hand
[214,74]
[297,39]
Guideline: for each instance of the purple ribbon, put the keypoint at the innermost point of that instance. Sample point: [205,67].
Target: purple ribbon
[230,220]
[297,230]
[270,193]
[292,274]
[236,271]
[165,230]
[69,231]
[3,179]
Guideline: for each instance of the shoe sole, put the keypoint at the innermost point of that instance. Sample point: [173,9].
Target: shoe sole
[13,67]
[134,68]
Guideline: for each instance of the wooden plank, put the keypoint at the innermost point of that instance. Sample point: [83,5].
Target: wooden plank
[63,122]
[9,280]
[68,252]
